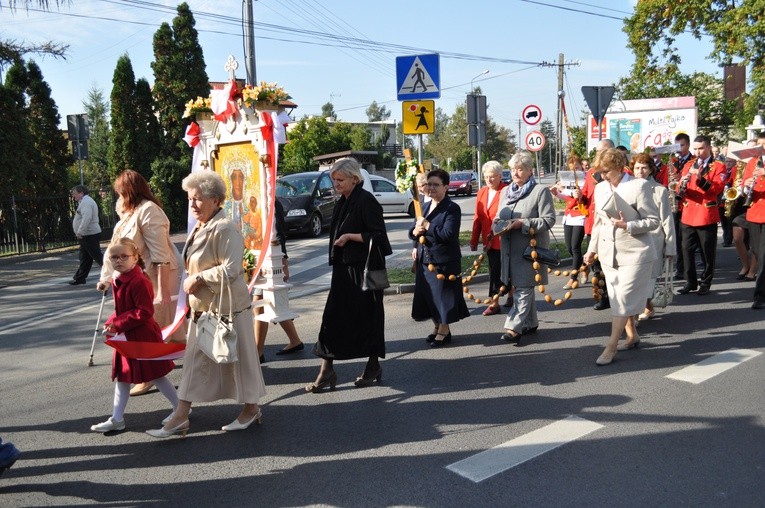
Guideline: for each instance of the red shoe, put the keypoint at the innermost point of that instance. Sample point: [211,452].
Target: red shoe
[490,311]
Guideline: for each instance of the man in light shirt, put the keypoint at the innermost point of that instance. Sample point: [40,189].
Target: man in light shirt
[88,232]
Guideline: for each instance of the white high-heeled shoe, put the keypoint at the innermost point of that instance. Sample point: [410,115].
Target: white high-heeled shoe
[170,417]
[181,429]
[235,425]
[108,425]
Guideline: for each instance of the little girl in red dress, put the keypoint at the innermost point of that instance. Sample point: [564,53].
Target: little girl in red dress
[134,316]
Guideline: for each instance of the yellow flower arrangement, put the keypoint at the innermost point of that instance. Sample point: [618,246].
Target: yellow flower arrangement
[198,105]
[270,93]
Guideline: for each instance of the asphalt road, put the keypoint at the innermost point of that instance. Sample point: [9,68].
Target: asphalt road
[657,441]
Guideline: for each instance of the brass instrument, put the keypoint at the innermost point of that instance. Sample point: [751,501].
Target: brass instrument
[733,193]
[673,178]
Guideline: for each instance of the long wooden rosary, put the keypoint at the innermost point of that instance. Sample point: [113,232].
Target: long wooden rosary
[597,282]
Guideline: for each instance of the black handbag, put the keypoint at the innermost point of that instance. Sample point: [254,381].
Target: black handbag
[374,280]
[544,256]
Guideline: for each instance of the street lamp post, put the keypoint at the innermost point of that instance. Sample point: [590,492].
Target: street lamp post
[478,129]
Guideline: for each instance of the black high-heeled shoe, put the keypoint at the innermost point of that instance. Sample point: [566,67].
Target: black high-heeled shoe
[438,343]
[362,381]
[330,380]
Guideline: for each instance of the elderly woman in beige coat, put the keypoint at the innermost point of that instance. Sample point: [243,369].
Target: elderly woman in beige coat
[626,216]
[213,251]
[143,221]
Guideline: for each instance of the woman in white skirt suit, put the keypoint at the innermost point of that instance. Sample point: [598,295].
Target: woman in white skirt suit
[625,215]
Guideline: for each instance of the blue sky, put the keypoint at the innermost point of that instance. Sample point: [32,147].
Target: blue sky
[315,69]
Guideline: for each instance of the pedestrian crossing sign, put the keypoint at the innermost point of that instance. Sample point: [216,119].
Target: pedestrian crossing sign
[418,77]
[418,117]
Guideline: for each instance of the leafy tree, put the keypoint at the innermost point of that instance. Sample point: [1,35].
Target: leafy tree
[123,147]
[547,154]
[328,111]
[737,32]
[449,144]
[312,137]
[360,138]
[377,113]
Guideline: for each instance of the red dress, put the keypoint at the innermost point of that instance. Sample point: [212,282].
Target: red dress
[134,316]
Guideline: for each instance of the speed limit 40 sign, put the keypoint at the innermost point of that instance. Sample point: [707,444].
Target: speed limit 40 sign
[535,141]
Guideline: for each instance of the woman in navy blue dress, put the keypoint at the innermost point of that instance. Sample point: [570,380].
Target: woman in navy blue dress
[436,297]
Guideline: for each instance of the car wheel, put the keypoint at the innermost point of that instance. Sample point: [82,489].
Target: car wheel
[315,225]
[411,209]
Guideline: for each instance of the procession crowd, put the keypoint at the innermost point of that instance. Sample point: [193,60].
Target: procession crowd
[642,215]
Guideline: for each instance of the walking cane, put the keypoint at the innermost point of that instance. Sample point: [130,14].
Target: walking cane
[98,325]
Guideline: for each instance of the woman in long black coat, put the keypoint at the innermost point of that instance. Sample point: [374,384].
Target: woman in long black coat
[354,320]
[435,297]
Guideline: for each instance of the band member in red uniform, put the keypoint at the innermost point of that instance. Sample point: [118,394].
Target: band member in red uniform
[754,191]
[701,182]
[662,170]
[684,156]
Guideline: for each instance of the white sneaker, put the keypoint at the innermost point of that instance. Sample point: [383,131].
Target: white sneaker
[108,426]
[646,315]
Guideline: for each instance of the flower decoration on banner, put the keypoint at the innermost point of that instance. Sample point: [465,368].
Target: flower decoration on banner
[406,172]
[198,105]
[249,261]
[270,93]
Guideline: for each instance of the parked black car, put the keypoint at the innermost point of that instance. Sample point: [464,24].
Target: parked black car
[308,199]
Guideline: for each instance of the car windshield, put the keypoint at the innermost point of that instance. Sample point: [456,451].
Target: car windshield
[460,177]
[295,185]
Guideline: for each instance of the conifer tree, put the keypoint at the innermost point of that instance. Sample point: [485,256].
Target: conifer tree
[146,128]
[49,143]
[17,154]
[96,168]
[123,148]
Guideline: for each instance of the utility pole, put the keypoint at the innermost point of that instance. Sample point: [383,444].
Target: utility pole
[561,65]
[249,43]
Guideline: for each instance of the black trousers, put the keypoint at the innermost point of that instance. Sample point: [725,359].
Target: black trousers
[727,227]
[495,271]
[705,239]
[90,250]
[757,239]
[574,236]
[679,263]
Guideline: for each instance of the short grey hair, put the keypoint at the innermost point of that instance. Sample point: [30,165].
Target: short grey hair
[492,167]
[349,167]
[522,159]
[209,183]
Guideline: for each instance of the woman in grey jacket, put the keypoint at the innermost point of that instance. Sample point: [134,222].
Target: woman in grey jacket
[526,205]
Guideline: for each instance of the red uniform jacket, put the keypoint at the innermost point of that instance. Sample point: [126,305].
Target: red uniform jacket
[134,316]
[588,198]
[700,199]
[662,174]
[756,212]
[484,215]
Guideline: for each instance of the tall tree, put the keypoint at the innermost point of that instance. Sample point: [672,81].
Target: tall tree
[179,76]
[146,128]
[96,168]
[737,32]
[17,152]
[376,113]
[49,143]
[123,146]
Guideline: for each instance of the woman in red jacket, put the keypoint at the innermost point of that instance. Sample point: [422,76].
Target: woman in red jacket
[574,217]
[486,205]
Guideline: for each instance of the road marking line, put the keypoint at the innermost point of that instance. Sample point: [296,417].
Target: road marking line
[24,323]
[713,365]
[488,463]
